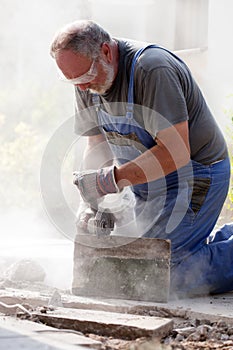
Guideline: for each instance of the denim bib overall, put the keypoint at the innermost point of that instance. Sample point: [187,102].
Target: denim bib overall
[183,206]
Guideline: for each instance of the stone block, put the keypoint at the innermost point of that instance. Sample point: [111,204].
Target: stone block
[122,267]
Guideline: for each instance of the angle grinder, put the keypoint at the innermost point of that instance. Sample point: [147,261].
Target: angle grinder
[99,222]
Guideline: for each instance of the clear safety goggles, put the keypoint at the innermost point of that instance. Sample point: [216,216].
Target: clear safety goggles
[84,78]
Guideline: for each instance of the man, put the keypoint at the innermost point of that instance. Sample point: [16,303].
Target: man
[150,129]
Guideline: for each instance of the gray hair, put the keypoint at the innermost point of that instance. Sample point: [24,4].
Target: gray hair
[85,37]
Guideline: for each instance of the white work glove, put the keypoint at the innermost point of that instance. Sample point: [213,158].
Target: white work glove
[94,184]
[85,219]
[83,215]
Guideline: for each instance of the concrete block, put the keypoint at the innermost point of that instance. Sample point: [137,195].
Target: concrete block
[118,325]
[122,268]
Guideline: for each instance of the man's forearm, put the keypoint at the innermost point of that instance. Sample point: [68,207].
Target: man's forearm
[150,166]
[171,153]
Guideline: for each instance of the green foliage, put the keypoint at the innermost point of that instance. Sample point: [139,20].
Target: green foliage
[28,118]
[19,162]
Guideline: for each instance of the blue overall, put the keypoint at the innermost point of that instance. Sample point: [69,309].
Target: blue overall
[183,206]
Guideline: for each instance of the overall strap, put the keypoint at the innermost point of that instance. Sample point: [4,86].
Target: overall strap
[130,103]
[96,101]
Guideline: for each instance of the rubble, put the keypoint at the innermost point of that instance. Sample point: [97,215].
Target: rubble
[25,270]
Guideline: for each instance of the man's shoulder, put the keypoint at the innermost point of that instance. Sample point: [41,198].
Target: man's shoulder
[128,47]
[154,56]
[130,44]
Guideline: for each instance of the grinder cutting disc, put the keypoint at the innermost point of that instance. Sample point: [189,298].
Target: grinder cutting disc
[104,222]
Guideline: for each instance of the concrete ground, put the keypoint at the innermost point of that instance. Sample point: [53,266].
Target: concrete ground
[55,256]
[211,307]
[56,259]
[18,334]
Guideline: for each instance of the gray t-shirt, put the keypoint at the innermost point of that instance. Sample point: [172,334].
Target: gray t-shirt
[165,94]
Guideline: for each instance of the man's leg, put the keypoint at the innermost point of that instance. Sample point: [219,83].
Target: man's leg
[193,263]
[198,267]
[209,270]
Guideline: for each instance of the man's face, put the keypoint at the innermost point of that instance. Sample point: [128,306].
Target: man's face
[94,75]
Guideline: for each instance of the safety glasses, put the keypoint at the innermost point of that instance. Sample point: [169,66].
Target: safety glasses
[84,78]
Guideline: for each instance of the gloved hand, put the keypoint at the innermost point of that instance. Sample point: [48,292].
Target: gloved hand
[85,220]
[94,184]
[100,223]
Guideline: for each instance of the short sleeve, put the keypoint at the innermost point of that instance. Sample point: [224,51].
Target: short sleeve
[164,96]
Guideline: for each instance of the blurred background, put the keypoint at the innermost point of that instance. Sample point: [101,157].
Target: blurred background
[34,104]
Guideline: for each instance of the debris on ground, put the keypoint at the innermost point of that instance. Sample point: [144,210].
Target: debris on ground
[201,335]
[25,270]
[55,299]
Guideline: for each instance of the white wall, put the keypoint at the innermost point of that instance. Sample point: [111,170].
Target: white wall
[155,21]
[148,20]
[219,71]
[213,68]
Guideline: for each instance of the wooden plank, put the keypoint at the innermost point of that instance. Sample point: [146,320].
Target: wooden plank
[122,267]
[123,326]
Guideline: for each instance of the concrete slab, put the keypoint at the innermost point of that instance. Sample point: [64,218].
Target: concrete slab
[210,307]
[215,306]
[17,334]
[124,326]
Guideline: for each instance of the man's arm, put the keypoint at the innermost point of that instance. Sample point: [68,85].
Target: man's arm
[171,153]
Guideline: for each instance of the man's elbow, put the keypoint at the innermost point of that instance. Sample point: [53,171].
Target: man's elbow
[182,160]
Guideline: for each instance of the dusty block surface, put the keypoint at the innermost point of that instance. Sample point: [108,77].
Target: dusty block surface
[122,267]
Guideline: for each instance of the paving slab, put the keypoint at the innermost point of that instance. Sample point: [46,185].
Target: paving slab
[119,325]
[211,307]
[17,334]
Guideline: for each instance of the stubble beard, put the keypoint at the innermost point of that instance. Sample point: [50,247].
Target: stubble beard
[101,89]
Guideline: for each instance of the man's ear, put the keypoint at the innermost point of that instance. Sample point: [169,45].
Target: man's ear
[107,52]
